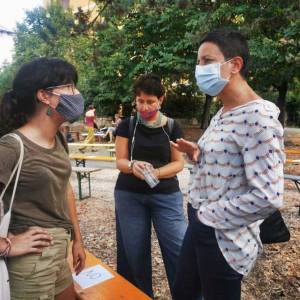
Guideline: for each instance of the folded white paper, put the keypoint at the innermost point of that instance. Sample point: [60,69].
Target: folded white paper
[92,276]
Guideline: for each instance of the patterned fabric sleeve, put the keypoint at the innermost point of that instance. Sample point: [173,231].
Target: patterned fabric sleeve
[263,157]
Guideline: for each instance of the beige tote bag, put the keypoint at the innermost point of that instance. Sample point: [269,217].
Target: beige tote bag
[5,220]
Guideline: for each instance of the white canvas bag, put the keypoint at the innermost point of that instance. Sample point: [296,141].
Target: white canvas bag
[5,220]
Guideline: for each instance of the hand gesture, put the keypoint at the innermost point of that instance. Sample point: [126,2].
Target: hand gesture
[191,149]
[33,240]
[138,167]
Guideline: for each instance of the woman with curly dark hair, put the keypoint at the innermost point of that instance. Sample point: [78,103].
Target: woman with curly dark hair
[43,96]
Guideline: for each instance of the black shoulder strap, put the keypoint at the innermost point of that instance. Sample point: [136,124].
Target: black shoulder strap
[170,125]
[131,126]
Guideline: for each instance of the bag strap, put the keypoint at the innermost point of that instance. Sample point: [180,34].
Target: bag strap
[131,125]
[16,171]
[170,125]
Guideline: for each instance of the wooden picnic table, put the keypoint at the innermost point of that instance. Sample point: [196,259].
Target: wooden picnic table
[112,289]
[99,136]
[80,159]
[96,145]
[292,161]
[112,152]
[84,173]
[292,151]
[75,133]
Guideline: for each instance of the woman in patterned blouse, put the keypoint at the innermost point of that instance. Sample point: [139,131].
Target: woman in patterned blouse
[237,179]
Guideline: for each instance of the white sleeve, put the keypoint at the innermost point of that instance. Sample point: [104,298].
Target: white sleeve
[264,157]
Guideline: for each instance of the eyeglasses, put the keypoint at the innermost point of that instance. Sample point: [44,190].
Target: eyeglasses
[59,86]
[50,88]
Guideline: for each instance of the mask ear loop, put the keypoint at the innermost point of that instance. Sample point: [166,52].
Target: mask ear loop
[226,61]
[221,64]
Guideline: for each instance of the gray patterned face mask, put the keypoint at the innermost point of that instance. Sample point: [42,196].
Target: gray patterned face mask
[71,107]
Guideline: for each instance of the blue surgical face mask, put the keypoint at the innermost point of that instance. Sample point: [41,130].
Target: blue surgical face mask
[209,78]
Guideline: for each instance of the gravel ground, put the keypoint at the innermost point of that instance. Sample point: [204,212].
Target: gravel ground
[276,275]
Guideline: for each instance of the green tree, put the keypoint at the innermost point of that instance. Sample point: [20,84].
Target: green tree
[128,38]
[162,36]
[44,32]
[149,37]
[273,30]
[55,32]
[6,77]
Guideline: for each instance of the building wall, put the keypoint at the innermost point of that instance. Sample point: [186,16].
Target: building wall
[74,4]
[64,3]
[84,4]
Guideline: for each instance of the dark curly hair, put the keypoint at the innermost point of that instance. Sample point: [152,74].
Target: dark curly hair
[20,103]
[150,84]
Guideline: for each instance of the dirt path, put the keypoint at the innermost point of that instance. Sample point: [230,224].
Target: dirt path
[277,273]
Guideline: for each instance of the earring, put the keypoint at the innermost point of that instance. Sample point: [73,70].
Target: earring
[49,111]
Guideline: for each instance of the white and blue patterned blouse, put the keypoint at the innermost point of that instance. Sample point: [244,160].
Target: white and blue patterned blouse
[238,179]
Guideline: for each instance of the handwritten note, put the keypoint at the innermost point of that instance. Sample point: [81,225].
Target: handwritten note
[92,276]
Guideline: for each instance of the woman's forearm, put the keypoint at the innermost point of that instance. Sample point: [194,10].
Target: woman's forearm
[170,170]
[123,165]
[167,171]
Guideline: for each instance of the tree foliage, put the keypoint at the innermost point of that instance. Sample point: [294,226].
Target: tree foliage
[128,38]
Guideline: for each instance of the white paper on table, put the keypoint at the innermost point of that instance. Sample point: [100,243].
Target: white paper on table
[92,276]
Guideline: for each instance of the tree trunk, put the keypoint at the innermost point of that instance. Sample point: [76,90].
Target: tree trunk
[206,115]
[282,91]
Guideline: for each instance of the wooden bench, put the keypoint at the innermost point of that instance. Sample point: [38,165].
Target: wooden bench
[80,159]
[112,289]
[98,136]
[96,145]
[112,152]
[292,161]
[75,134]
[291,151]
[84,173]
[295,179]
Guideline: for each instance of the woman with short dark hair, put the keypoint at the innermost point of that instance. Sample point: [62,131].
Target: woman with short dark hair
[237,179]
[147,189]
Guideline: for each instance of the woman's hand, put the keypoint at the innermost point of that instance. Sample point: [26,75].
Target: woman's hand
[138,167]
[78,256]
[191,149]
[33,240]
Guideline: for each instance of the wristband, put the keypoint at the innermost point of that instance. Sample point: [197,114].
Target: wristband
[130,164]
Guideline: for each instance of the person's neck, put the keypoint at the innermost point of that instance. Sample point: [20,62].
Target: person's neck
[41,129]
[237,93]
[153,119]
